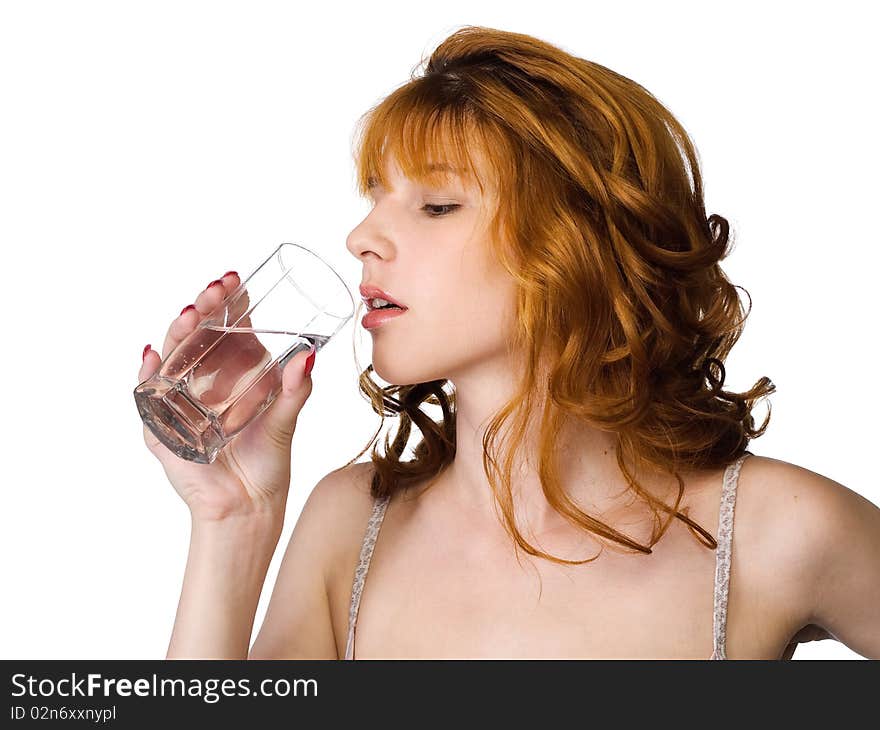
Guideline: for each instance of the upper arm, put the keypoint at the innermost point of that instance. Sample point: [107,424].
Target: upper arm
[298,622]
[839,532]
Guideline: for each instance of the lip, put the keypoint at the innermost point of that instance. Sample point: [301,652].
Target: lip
[376,317]
[372,292]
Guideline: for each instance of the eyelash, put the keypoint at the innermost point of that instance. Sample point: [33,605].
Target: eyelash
[451,206]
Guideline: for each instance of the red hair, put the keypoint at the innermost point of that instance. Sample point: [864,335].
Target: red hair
[619,287]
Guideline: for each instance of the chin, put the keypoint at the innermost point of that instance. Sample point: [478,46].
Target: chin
[406,370]
[397,375]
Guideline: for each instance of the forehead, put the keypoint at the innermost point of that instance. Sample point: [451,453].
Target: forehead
[440,173]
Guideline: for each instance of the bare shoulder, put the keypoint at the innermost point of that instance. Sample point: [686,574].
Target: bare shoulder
[343,497]
[301,620]
[342,486]
[812,546]
[803,511]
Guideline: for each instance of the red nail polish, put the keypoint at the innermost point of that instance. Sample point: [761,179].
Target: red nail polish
[228,273]
[310,362]
[214,283]
[187,308]
[146,350]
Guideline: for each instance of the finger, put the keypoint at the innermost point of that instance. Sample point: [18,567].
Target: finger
[149,364]
[278,422]
[241,353]
[180,329]
[238,307]
[234,363]
[226,361]
[205,302]
[235,304]
[213,294]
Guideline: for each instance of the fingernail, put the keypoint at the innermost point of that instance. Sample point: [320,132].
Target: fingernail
[214,283]
[187,308]
[146,350]
[310,362]
[229,273]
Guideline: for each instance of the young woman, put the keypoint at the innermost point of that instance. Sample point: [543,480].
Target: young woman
[539,220]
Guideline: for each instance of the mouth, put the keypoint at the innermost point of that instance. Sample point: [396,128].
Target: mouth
[376,317]
[377,304]
[377,299]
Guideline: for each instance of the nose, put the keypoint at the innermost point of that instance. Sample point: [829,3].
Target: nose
[365,240]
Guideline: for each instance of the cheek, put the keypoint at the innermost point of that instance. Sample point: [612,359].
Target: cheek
[467,305]
[482,318]
[452,330]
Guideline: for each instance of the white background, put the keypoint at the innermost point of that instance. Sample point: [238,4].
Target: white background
[146,148]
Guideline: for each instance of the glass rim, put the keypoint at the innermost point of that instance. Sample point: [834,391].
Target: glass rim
[287,270]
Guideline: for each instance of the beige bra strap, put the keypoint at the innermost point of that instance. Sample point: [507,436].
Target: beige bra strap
[722,556]
[360,574]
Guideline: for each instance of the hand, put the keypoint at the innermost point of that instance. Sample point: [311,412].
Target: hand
[251,475]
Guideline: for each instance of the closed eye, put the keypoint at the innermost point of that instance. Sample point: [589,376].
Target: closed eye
[445,209]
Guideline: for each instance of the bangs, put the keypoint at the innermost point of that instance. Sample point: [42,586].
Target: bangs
[433,145]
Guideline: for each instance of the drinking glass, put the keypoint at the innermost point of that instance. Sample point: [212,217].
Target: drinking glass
[228,370]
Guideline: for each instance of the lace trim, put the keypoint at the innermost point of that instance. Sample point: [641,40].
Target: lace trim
[363,565]
[722,561]
[722,557]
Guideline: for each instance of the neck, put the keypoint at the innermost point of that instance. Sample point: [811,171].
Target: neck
[586,459]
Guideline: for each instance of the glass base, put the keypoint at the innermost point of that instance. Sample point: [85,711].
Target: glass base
[178,423]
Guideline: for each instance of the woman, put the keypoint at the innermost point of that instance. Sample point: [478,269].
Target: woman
[540,220]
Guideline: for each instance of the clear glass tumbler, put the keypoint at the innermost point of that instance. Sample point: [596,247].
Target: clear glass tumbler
[228,370]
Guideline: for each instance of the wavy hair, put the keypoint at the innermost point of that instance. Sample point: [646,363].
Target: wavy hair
[616,264]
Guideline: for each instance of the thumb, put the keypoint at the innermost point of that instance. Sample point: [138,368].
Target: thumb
[279,419]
